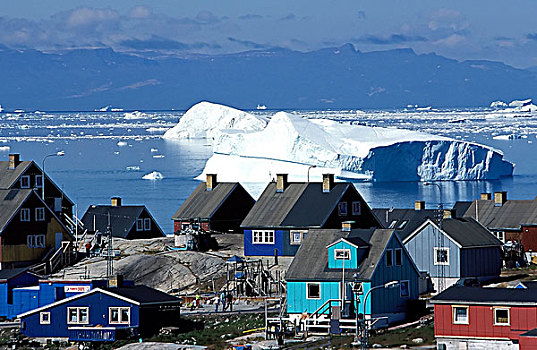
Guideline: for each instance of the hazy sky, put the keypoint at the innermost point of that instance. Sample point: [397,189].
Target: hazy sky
[470,29]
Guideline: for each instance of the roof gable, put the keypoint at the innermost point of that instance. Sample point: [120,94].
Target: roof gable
[8,177]
[394,218]
[122,218]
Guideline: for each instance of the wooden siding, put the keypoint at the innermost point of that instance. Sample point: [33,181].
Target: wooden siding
[481,262]
[338,264]
[251,249]
[481,322]
[421,249]
[529,238]
[228,217]
[389,300]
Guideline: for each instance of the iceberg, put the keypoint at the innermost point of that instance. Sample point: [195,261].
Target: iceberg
[155,175]
[298,146]
[206,120]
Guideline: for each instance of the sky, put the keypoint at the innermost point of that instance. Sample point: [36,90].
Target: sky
[496,30]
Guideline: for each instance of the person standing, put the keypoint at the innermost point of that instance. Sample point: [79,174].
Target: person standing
[229,297]
[223,300]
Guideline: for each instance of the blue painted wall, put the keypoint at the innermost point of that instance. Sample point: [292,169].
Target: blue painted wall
[98,304]
[352,263]
[6,292]
[421,249]
[481,262]
[251,249]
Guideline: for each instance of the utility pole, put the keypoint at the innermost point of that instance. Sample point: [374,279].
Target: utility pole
[109,262]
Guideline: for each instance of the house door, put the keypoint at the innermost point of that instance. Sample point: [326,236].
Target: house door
[58,204]
[58,241]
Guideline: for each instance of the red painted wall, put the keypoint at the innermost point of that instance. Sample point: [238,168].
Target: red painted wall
[527,343]
[177,225]
[481,322]
[529,238]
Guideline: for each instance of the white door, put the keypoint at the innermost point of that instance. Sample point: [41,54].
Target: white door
[58,242]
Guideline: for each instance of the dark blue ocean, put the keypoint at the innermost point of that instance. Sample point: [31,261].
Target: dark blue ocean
[107,153]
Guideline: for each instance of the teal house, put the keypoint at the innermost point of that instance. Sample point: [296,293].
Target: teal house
[334,268]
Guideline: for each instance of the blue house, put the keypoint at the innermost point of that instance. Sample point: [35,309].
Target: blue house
[333,268]
[461,249]
[10,280]
[103,314]
[286,211]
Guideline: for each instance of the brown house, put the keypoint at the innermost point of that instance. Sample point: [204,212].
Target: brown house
[17,174]
[214,207]
[29,229]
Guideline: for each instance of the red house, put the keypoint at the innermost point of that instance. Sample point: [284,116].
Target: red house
[485,318]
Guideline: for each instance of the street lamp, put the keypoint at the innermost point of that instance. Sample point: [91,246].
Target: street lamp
[309,168]
[441,204]
[57,154]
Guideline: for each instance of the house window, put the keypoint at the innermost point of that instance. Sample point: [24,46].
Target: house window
[342,208]
[500,235]
[39,181]
[356,208]
[342,254]
[405,291]
[399,257]
[39,214]
[119,315]
[392,224]
[263,237]
[402,224]
[25,214]
[185,226]
[501,316]
[44,317]
[77,315]
[139,224]
[313,291]
[25,181]
[35,241]
[147,224]
[296,237]
[460,315]
[441,256]
[389,257]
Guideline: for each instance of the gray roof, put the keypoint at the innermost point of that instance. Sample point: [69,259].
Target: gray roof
[311,262]
[510,216]
[469,233]
[7,274]
[9,176]
[122,218]
[489,296]
[300,205]
[202,203]
[460,208]
[10,202]
[413,218]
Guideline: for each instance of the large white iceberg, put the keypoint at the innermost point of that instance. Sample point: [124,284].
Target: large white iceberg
[303,147]
[206,120]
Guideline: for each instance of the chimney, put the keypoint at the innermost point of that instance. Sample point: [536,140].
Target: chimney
[115,281]
[211,182]
[14,160]
[419,205]
[486,196]
[281,182]
[328,182]
[500,198]
[116,201]
[346,226]
[448,214]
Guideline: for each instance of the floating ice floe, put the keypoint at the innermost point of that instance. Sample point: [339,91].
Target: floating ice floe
[4,148]
[299,146]
[154,150]
[155,175]
[158,156]
[206,120]
[507,137]
[132,168]
[122,143]
[135,115]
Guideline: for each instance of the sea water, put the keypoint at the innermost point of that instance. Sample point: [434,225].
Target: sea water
[108,153]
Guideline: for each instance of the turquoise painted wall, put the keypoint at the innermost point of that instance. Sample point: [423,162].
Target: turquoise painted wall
[338,264]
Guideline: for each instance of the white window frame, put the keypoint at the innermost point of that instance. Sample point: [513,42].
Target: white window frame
[346,252]
[356,208]
[120,315]
[402,225]
[42,316]
[40,214]
[23,179]
[400,251]
[407,288]
[308,291]
[293,233]
[263,237]
[78,315]
[500,235]
[36,181]
[435,256]
[389,252]
[147,224]
[35,241]
[392,224]
[139,224]
[25,214]
[454,314]
[342,209]
[496,323]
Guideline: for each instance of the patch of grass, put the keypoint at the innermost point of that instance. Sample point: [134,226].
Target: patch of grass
[405,336]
